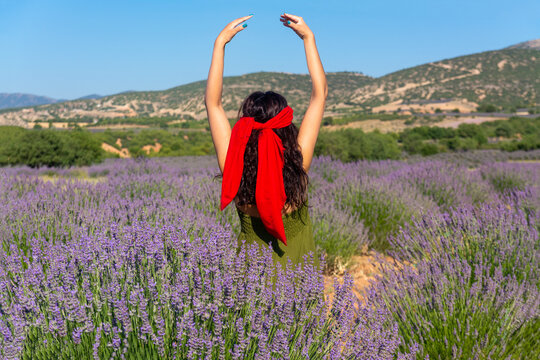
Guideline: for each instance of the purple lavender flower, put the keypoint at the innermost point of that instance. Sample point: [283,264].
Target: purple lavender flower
[143,263]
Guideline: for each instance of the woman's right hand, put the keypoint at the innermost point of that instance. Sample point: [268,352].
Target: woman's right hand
[297,24]
[231,29]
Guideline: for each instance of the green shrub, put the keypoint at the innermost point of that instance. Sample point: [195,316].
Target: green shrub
[37,148]
[381,212]
[354,144]
[412,143]
[328,120]
[504,130]
[489,108]
[429,149]
[471,131]
[503,180]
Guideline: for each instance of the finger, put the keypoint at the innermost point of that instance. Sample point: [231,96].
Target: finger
[295,18]
[238,21]
[239,28]
[289,23]
[284,18]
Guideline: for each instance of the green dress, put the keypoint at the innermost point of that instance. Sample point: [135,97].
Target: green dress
[298,231]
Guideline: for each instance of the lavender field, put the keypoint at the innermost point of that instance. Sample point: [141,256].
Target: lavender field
[132,259]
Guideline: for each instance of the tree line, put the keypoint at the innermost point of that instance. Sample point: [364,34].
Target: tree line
[37,148]
[77,147]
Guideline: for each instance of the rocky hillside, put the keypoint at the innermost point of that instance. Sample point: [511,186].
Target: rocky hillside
[509,78]
[533,44]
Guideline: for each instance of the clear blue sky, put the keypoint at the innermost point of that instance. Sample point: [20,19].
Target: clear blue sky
[67,49]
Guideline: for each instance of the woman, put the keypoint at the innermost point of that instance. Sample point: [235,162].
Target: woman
[265,158]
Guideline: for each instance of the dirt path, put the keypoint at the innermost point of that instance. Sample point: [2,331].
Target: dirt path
[525,161]
[364,269]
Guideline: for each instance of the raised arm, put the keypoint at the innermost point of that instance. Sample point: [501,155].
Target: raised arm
[219,124]
[309,129]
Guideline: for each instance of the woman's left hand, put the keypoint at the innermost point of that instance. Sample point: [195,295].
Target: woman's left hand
[233,28]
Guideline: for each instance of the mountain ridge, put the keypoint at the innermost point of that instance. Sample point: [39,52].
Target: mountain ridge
[21,100]
[14,100]
[508,77]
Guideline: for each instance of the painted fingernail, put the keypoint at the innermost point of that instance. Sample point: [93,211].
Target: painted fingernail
[245,25]
[288,22]
[250,14]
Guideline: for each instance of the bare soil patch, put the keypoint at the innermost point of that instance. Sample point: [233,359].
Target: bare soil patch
[462,105]
[123,153]
[399,125]
[152,148]
[54,179]
[454,123]
[525,161]
[370,125]
[120,126]
[364,269]
[57,125]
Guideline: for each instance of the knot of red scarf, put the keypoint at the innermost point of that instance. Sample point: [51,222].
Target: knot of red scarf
[270,190]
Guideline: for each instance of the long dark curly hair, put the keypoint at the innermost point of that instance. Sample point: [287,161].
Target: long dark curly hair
[263,106]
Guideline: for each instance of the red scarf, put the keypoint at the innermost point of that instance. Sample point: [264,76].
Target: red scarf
[270,190]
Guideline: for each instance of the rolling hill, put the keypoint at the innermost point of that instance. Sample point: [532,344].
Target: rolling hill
[508,77]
